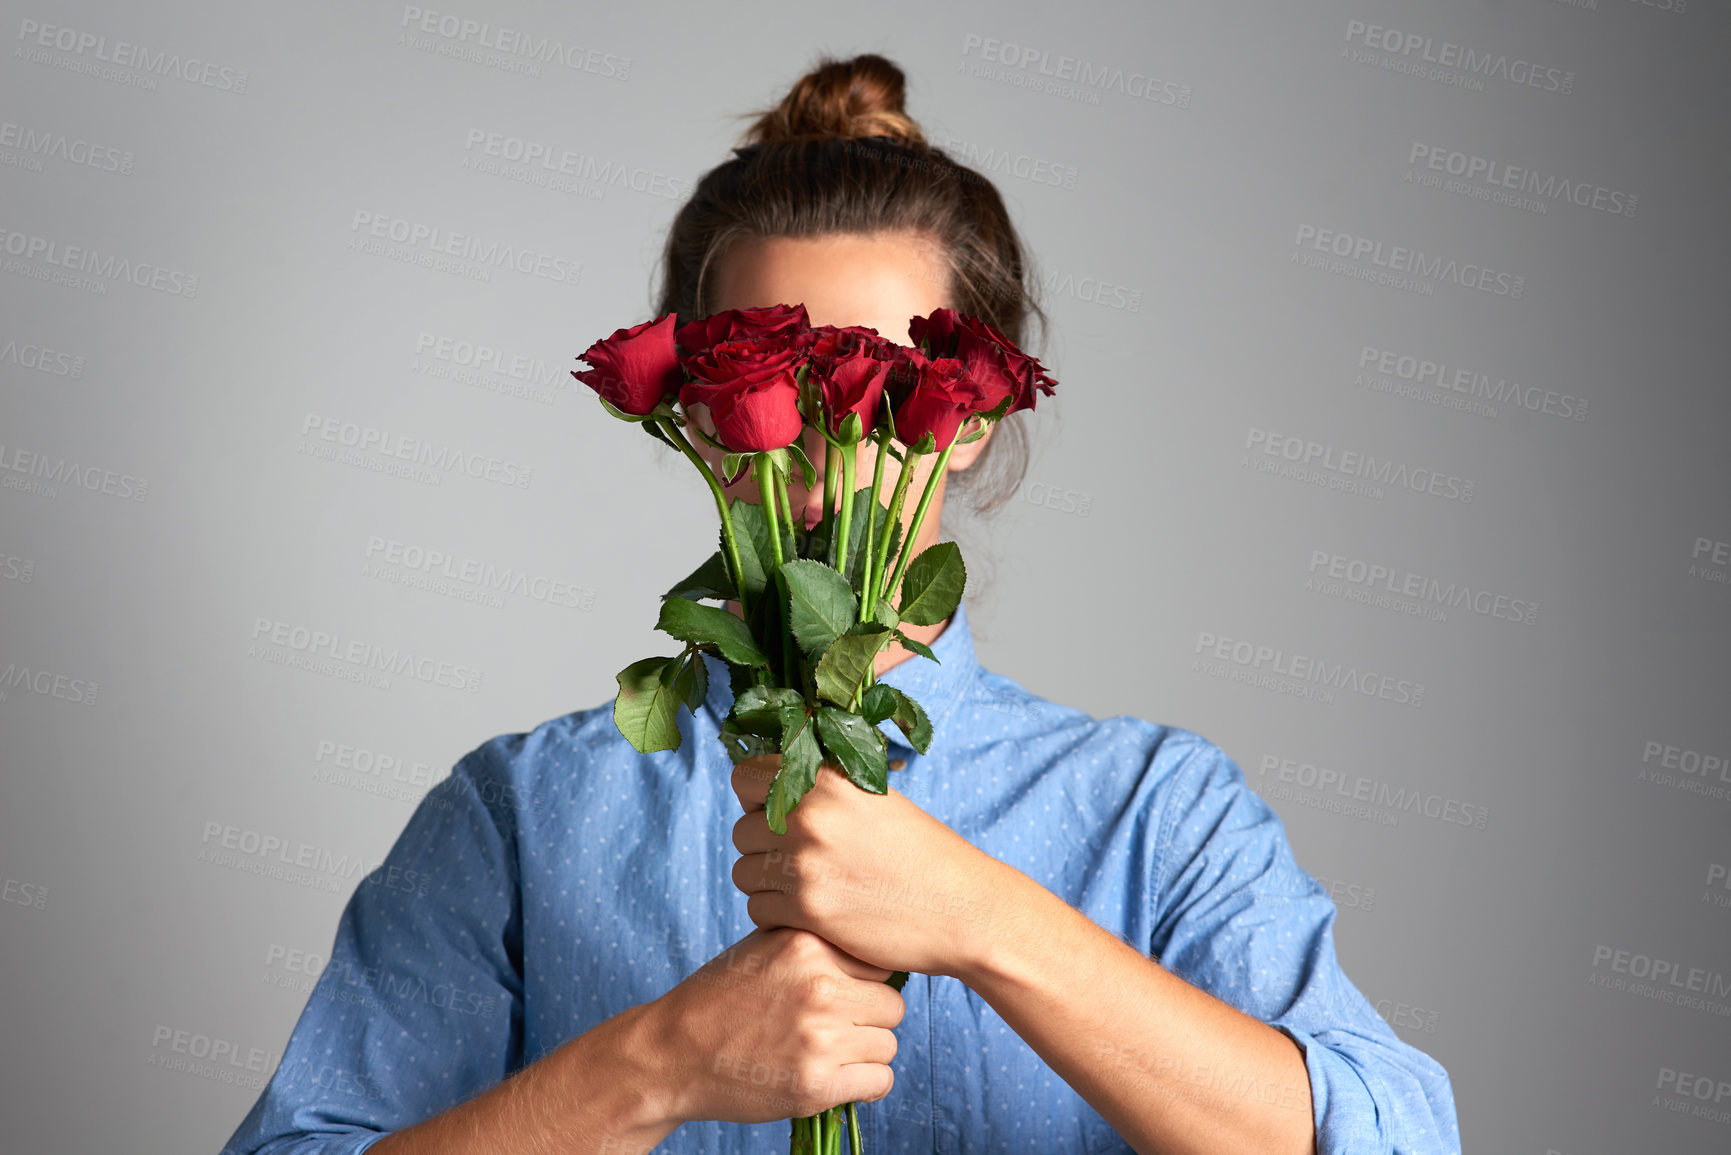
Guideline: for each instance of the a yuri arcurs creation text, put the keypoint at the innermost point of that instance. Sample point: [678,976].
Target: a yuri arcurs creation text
[816,604]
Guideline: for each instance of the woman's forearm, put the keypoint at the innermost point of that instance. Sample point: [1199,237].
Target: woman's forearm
[600,1092]
[1169,1066]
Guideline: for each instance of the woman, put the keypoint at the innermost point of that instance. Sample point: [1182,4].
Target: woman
[1111,946]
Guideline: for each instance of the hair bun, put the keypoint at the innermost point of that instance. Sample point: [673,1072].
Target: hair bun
[860,97]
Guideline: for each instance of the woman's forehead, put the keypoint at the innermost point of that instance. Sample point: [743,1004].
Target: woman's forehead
[874,279]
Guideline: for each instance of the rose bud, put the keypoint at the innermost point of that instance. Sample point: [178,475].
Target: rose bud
[635,369]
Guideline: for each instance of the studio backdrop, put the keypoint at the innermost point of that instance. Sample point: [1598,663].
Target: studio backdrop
[1390,454]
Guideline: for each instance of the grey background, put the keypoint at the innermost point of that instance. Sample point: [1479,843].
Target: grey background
[1166,232]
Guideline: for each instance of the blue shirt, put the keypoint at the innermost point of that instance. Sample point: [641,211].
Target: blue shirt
[557,877]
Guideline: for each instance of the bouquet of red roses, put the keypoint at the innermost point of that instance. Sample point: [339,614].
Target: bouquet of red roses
[815,603]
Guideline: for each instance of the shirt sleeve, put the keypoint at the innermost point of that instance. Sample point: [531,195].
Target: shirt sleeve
[1240,919]
[420,1005]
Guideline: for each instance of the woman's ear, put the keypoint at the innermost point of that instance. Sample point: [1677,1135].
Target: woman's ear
[963,456]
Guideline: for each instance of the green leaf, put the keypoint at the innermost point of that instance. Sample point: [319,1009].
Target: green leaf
[691,621]
[856,530]
[692,680]
[847,664]
[647,708]
[776,459]
[757,709]
[814,543]
[911,720]
[621,414]
[857,745]
[800,759]
[653,428]
[808,473]
[751,534]
[932,585]
[741,745]
[732,465]
[820,605]
[919,648]
[886,616]
[709,580]
[878,703]
[897,980]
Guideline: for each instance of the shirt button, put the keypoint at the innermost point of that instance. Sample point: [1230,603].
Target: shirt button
[898,763]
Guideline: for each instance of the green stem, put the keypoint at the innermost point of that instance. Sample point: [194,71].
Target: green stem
[866,602]
[854,1143]
[765,472]
[785,507]
[910,460]
[844,523]
[831,466]
[907,550]
[669,428]
[767,478]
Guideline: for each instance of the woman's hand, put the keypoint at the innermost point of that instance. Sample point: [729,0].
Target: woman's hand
[872,873]
[779,1025]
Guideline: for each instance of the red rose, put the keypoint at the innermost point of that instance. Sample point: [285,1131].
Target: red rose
[751,392]
[636,368]
[991,358]
[850,365]
[933,395]
[740,324]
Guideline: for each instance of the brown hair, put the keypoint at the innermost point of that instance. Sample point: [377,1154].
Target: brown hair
[839,154]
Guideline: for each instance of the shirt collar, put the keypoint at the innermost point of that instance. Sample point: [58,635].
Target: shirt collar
[936,686]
